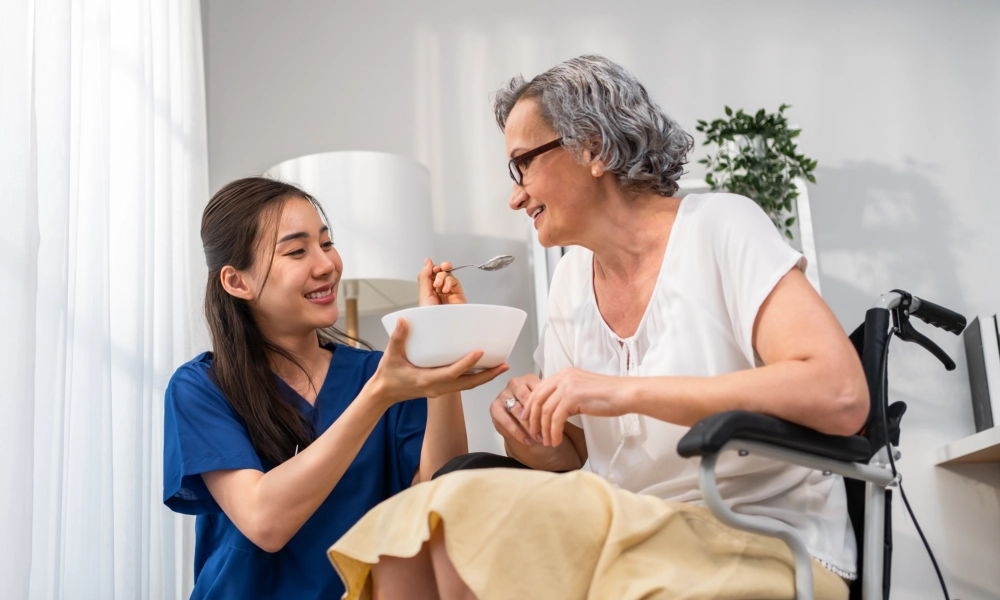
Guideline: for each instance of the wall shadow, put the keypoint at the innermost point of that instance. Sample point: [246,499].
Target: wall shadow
[880,227]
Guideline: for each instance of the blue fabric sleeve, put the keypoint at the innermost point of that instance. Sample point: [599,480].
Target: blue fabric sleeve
[201,433]
[406,422]
[408,441]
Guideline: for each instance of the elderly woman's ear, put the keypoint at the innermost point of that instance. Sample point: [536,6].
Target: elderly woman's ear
[597,167]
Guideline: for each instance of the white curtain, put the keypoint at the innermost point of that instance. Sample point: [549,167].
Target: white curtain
[103,176]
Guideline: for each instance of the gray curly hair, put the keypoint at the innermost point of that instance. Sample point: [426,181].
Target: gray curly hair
[596,105]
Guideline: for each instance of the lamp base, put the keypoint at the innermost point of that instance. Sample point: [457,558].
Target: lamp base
[352,319]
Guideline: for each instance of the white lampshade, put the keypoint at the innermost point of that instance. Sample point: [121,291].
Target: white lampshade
[379,207]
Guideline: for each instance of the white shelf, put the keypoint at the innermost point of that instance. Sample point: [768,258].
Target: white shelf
[983,447]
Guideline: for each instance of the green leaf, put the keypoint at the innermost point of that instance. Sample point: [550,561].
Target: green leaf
[755,154]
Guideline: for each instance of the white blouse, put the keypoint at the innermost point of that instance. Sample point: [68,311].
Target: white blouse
[723,258]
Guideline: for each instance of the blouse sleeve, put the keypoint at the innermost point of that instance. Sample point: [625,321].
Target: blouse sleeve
[554,351]
[752,258]
[201,433]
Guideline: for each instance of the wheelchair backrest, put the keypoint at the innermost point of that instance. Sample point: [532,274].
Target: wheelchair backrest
[870,340]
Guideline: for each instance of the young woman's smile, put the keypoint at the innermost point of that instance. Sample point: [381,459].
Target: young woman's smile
[323,295]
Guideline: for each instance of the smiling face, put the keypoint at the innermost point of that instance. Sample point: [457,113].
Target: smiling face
[299,293]
[557,192]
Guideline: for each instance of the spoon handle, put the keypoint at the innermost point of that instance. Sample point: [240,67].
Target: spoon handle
[455,268]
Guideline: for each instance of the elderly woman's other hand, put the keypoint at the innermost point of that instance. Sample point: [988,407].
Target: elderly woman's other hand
[508,404]
[569,392]
[437,286]
[508,419]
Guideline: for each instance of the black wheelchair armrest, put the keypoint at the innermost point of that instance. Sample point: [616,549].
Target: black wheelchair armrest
[710,434]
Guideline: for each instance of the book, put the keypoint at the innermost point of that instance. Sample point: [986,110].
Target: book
[982,350]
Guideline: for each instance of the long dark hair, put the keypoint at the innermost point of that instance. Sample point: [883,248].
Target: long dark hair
[233,228]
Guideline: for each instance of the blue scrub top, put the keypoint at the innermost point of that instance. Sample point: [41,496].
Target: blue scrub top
[203,433]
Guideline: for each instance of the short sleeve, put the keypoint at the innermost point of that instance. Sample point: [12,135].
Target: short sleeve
[752,258]
[201,433]
[406,423]
[407,442]
[554,353]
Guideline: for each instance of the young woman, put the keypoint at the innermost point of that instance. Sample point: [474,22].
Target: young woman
[281,438]
[668,310]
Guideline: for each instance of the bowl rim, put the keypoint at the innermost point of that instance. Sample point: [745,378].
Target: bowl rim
[454,307]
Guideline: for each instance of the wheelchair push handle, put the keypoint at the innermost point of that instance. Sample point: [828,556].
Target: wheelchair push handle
[903,305]
[936,315]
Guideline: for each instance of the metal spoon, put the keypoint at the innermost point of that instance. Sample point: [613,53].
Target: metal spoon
[494,264]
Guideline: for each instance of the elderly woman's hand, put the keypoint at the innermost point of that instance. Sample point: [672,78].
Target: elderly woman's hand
[569,392]
[438,287]
[505,420]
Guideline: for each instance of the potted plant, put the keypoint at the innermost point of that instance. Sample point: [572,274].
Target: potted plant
[756,157]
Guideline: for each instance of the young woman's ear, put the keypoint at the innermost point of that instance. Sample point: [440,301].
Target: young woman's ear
[235,283]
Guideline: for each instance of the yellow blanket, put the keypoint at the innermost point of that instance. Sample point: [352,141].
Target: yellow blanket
[529,534]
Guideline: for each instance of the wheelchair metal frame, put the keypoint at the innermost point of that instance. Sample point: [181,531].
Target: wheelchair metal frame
[876,474]
[727,432]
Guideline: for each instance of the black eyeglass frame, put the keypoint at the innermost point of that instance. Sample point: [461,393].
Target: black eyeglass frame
[514,166]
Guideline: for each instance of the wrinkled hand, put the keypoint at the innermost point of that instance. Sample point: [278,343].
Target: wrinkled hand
[438,287]
[398,380]
[506,422]
[568,392]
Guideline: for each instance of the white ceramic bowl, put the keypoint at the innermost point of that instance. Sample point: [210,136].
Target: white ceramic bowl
[440,335]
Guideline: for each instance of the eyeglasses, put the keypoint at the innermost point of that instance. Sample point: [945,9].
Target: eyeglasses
[516,163]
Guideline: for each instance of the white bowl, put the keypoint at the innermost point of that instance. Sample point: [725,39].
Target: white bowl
[440,335]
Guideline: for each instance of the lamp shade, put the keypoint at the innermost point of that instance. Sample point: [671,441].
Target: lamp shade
[379,207]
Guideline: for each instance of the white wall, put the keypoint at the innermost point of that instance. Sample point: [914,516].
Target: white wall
[897,101]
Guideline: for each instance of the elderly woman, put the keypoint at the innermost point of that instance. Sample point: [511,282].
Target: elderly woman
[668,310]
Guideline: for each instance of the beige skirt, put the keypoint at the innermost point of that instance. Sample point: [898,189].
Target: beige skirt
[515,533]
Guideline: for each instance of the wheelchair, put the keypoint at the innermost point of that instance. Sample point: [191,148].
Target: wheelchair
[866,460]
